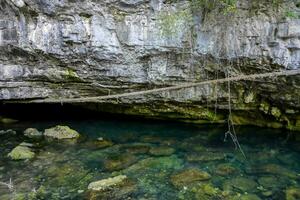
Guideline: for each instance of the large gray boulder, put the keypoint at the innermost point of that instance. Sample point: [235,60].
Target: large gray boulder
[61,132]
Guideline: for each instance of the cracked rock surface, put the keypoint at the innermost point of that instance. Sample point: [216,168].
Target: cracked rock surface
[51,49]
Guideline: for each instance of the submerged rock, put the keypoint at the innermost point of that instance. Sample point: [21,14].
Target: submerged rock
[273,169]
[161,151]
[8,131]
[271,182]
[21,152]
[225,169]
[205,157]
[118,187]
[156,164]
[245,197]
[118,162]
[106,183]
[69,175]
[292,193]
[189,176]
[202,191]
[136,148]
[5,120]
[241,184]
[151,139]
[61,132]
[102,143]
[32,133]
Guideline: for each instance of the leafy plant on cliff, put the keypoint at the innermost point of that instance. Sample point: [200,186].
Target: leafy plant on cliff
[171,21]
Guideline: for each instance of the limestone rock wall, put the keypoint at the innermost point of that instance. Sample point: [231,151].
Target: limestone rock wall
[71,48]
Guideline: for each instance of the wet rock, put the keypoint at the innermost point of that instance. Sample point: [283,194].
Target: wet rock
[61,132]
[225,169]
[240,184]
[270,182]
[151,175]
[66,175]
[21,152]
[205,191]
[151,139]
[136,148]
[4,120]
[32,133]
[169,141]
[161,151]
[189,176]
[245,197]
[250,197]
[106,183]
[292,193]
[156,164]
[273,169]
[118,187]
[102,143]
[128,137]
[9,131]
[40,193]
[26,144]
[118,162]
[205,157]
[263,156]
[267,193]
[290,159]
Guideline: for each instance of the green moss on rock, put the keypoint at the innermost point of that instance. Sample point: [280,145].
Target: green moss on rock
[61,132]
[21,153]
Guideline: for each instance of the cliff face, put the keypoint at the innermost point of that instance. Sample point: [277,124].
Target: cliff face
[52,49]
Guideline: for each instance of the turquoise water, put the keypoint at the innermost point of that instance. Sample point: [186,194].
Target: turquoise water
[63,170]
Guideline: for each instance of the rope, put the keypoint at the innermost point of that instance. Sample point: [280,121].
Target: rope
[176,87]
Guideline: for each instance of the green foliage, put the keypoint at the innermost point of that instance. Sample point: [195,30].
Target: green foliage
[257,4]
[209,5]
[291,15]
[170,23]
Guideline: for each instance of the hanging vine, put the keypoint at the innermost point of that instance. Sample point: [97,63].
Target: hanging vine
[231,130]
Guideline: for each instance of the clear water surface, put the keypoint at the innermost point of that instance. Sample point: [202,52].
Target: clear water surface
[63,170]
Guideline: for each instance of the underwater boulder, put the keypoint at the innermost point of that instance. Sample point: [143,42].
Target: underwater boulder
[205,191]
[32,133]
[240,184]
[245,197]
[165,164]
[273,169]
[205,156]
[189,176]
[61,132]
[21,152]
[8,131]
[118,187]
[106,183]
[272,182]
[136,148]
[225,169]
[4,120]
[162,151]
[292,193]
[101,143]
[117,162]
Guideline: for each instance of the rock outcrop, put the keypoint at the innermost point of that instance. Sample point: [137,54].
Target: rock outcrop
[61,132]
[52,49]
[22,152]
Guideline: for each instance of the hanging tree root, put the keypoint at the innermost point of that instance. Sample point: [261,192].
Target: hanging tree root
[231,130]
[9,185]
[176,87]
